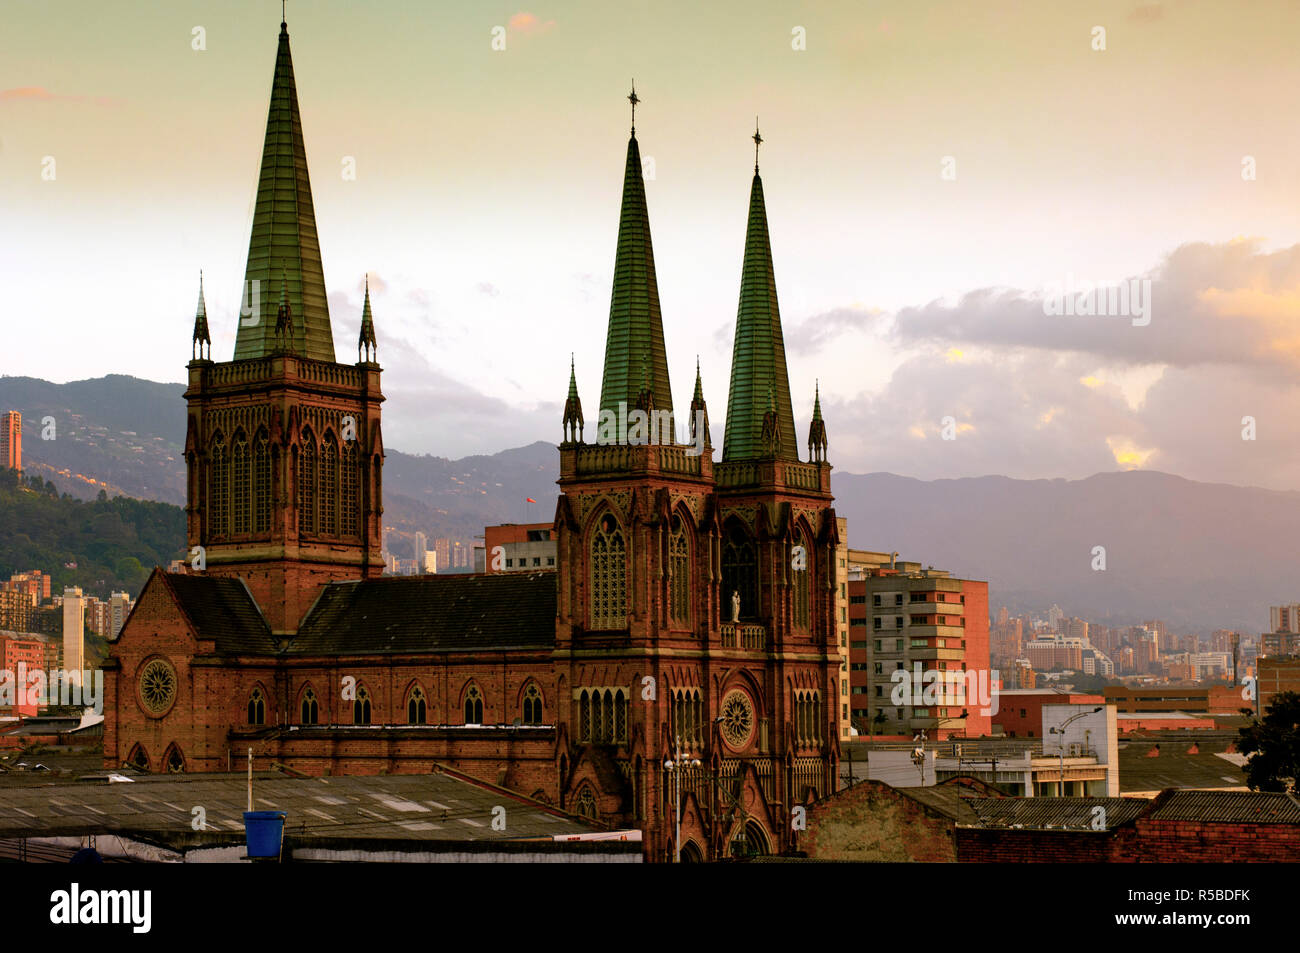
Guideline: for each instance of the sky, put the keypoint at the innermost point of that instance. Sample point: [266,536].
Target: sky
[935,173]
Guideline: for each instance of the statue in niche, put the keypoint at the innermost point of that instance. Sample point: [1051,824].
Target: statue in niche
[735,605]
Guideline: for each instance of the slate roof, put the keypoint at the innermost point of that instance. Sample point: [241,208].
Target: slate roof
[448,613]
[223,610]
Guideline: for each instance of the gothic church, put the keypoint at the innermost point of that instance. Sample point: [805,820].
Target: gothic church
[690,619]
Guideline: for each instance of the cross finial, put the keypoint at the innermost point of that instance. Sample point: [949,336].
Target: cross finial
[282,23]
[758,140]
[633,99]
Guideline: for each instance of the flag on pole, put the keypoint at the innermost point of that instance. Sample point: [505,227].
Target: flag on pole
[529,499]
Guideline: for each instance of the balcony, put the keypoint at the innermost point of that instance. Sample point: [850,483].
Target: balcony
[742,635]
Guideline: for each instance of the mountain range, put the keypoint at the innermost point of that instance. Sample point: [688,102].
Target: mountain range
[1200,556]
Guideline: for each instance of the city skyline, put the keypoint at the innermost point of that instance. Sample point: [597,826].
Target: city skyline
[487,227]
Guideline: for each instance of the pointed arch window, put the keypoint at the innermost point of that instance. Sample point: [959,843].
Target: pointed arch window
[584,717]
[329,486]
[361,707]
[218,487]
[473,706]
[310,709]
[739,574]
[417,707]
[175,761]
[608,575]
[138,758]
[800,580]
[679,568]
[585,803]
[349,504]
[257,708]
[307,483]
[240,491]
[532,706]
[261,484]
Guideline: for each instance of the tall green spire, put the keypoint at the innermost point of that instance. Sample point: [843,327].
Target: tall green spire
[758,373]
[636,331]
[366,346]
[202,341]
[284,233]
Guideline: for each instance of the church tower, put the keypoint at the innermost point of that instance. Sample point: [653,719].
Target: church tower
[283,446]
[694,614]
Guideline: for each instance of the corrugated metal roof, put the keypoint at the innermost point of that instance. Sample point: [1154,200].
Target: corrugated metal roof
[1229,807]
[1050,813]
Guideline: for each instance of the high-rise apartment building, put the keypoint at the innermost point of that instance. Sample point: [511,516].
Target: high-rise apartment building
[11,440]
[934,629]
[74,630]
[119,607]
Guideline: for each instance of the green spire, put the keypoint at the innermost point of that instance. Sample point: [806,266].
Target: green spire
[366,346]
[284,231]
[817,430]
[699,410]
[572,409]
[758,374]
[201,336]
[636,331]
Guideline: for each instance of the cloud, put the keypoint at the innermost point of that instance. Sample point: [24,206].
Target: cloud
[41,94]
[818,330]
[1224,303]
[524,22]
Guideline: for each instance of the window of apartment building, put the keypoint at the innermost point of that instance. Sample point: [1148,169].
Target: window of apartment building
[537,560]
[844,590]
[879,668]
[510,564]
[880,691]
[844,713]
[898,622]
[920,713]
[940,643]
[844,686]
[920,644]
[858,645]
[918,597]
[963,600]
[844,638]
[875,600]
[857,600]
[844,614]
[898,599]
[877,622]
[898,645]
[550,560]
[918,620]
[943,620]
[898,666]
[878,644]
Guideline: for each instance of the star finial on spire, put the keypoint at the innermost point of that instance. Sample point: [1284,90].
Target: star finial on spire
[758,140]
[633,99]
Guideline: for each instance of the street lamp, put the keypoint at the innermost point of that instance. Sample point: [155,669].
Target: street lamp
[677,764]
[1061,731]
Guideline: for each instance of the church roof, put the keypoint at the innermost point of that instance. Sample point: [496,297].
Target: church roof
[758,372]
[634,346]
[283,240]
[223,610]
[448,613]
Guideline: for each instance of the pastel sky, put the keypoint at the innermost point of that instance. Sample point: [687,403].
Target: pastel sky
[487,187]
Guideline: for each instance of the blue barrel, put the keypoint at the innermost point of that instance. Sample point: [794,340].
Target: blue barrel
[264,830]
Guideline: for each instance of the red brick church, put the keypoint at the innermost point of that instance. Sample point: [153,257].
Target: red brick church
[691,613]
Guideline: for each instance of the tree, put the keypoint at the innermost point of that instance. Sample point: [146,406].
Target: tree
[1273,744]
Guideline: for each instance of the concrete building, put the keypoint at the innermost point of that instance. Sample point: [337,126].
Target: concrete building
[74,630]
[842,622]
[923,663]
[519,547]
[119,607]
